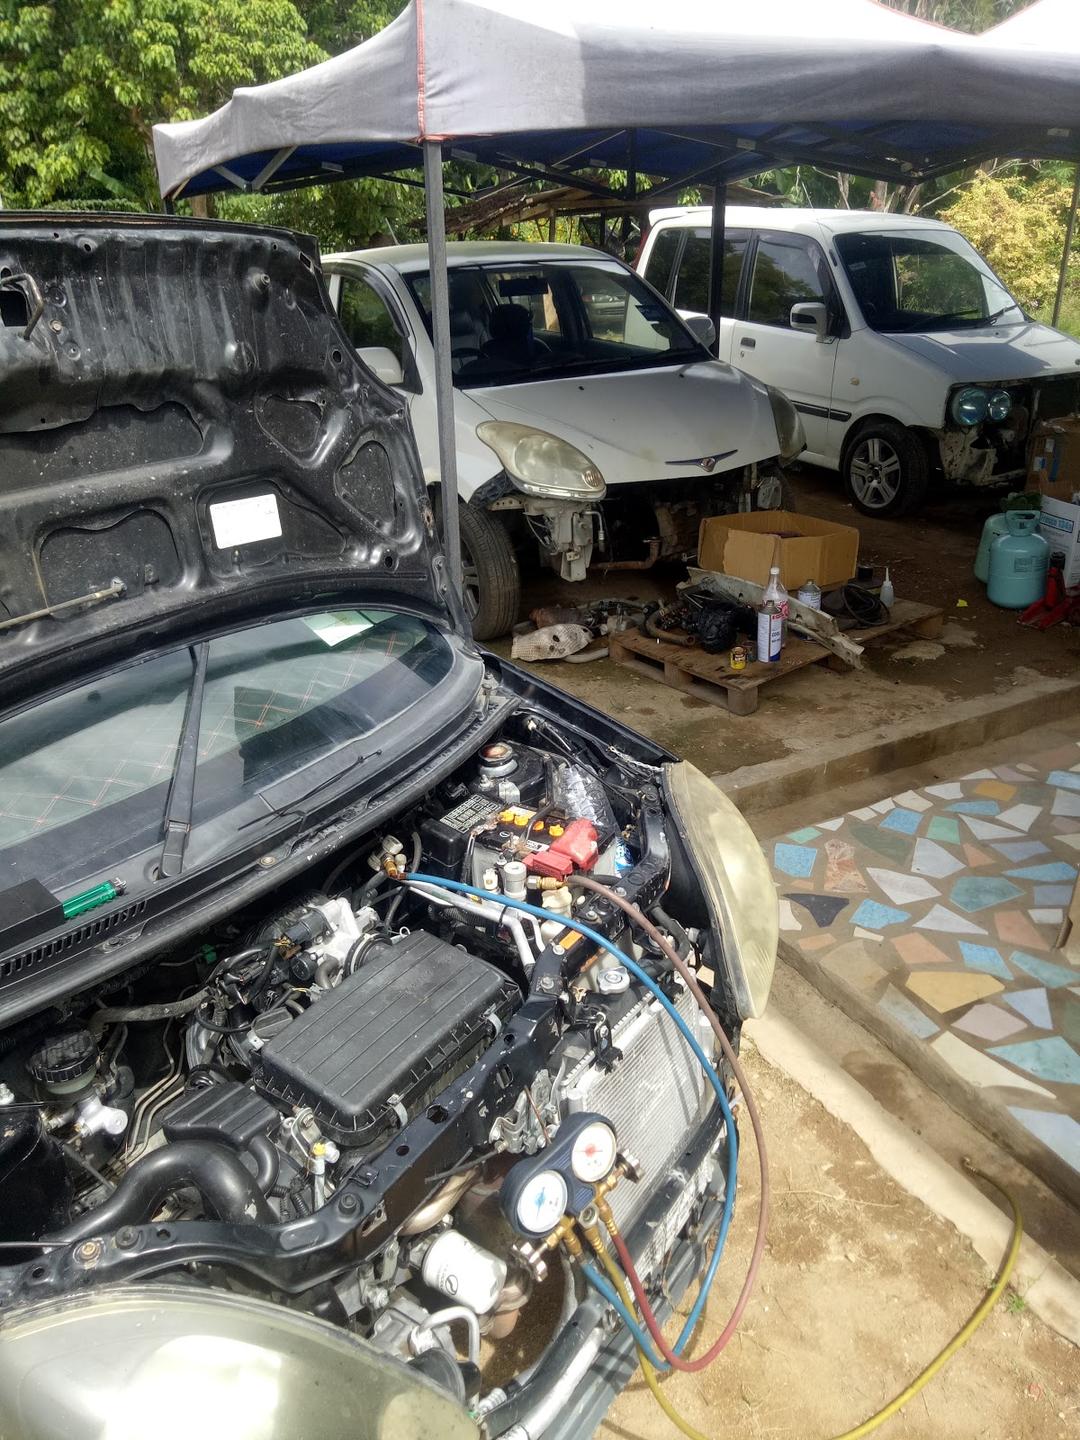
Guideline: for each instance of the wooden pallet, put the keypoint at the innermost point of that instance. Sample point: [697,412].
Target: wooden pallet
[709,677]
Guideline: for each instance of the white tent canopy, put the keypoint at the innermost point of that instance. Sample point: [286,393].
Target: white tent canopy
[663,89]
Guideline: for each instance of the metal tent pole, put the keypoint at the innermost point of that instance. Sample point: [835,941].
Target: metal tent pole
[1063,273]
[444,379]
[716,257]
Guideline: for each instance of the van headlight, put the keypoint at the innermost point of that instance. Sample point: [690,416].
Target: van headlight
[736,879]
[970,406]
[542,464]
[789,427]
[999,405]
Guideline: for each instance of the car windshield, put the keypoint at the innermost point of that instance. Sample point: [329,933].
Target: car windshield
[905,282]
[512,323]
[85,775]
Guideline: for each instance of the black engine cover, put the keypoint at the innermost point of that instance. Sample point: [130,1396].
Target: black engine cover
[416,1014]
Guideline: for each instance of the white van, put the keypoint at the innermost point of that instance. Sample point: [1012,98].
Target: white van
[908,360]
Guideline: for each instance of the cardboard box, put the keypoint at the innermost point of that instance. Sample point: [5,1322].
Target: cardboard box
[805,548]
[1054,458]
[1059,525]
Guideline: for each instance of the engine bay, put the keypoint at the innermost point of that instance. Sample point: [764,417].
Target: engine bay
[357,1103]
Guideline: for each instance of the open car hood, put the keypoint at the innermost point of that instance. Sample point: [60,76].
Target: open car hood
[184,426]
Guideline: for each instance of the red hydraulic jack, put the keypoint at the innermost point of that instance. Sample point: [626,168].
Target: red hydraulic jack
[1058,603]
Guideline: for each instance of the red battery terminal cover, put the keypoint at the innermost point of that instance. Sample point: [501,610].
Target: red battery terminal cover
[575,848]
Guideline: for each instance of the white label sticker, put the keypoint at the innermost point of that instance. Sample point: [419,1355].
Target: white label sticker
[242,522]
[341,625]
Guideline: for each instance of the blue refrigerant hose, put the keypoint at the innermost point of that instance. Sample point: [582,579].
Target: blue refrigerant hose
[593,1276]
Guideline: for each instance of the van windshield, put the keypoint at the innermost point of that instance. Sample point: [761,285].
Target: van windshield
[908,282]
[514,323]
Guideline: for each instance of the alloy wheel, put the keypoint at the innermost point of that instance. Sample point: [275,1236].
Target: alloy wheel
[876,473]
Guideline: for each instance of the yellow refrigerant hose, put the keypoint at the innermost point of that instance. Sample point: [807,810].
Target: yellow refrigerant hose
[962,1336]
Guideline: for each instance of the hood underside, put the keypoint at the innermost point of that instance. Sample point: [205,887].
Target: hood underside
[184,426]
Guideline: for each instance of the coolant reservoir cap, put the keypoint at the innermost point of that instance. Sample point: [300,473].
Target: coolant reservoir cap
[64,1060]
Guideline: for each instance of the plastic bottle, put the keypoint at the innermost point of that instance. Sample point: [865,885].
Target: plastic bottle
[887,593]
[775,592]
[770,632]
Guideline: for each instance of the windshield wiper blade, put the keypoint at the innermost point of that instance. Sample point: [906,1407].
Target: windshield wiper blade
[181,801]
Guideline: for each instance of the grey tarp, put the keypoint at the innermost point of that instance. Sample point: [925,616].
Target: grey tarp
[665,89]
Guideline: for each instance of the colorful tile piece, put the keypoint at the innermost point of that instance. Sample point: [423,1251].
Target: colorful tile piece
[823,908]
[947,990]
[974,807]
[815,942]
[841,871]
[912,800]
[916,950]
[854,964]
[801,837]
[1014,927]
[930,859]
[1064,779]
[1033,1005]
[794,859]
[1020,849]
[1053,915]
[881,841]
[979,775]
[1052,870]
[985,958]
[1006,772]
[995,790]
[899,1008]
[903,889]
[1073,841]
[882,807]
[942,828]
[1051,1059]
[976,857]
[1065,803]
[978,892]
[978,1069]
[830,824]
[904,822]
[1042,970]
[875,916]
[1053,894]
[866,813]
[788,920]
[948,922]
[1021,817]
[1058,1132]
[987,829]
[950,790]
[861,934]
[989,1022]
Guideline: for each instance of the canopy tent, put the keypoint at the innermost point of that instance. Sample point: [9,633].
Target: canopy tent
[697,90]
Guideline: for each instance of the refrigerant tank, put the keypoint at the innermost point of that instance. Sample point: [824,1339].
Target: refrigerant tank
[994,527]
[1019,560]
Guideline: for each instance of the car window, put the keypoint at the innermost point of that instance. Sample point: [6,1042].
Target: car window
[84,776]
[661,259]
[908,282]
[366,319]
[785,273]
[692,286]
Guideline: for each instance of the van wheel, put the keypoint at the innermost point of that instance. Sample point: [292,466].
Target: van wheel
[885,469]
[490,573]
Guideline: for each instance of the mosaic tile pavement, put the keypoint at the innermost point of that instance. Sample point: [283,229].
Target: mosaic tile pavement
[940,908]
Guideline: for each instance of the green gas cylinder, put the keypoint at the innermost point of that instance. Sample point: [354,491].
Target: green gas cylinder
[994,527]
[1018,562]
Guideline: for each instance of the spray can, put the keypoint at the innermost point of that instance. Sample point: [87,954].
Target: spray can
[770,632]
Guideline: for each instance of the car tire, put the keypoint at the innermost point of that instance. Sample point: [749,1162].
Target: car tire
[490,572]
[885,469]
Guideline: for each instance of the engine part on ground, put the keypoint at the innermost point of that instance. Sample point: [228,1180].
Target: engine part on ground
[415,1014]
[554,642]
[36,1191]
[65,1064]
[463,1271]
[854,607]
[219,1175]
[139,1351]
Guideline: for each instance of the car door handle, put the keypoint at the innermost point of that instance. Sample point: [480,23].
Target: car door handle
[745,340]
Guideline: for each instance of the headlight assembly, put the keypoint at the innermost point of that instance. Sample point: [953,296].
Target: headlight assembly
[999,405]
[736,880]
[542,464]
[789,427]
[970,406]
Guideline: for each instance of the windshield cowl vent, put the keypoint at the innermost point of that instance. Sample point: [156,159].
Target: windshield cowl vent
[39,955]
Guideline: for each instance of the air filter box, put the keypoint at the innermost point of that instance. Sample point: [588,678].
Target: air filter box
[414,1016]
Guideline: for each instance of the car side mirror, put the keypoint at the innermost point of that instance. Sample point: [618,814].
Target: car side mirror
[702,329]
[383,363]
[810,315]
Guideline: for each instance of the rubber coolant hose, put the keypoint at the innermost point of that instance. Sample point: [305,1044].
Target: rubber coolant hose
[227,1187]
[643,923]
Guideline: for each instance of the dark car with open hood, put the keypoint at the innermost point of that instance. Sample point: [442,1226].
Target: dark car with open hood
[347,972]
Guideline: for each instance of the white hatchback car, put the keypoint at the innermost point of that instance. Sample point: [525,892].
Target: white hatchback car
[905,355]
[588,415]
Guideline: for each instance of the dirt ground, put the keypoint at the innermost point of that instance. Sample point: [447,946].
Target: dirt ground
[984,650]
[860,1287]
